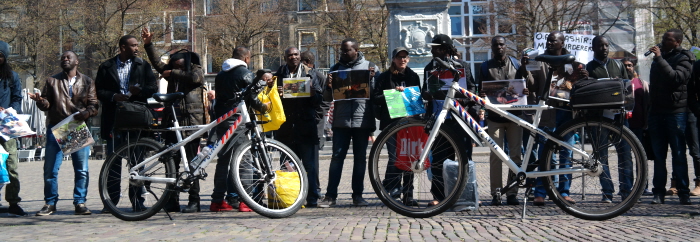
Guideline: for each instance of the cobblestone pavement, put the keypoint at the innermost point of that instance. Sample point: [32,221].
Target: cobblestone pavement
[669,222]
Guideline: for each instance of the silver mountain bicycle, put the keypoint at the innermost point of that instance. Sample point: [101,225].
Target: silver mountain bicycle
[605,173]
[137,180]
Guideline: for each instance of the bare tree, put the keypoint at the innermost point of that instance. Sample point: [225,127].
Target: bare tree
[532,16]
[681,14]
[242,23]
[364,20]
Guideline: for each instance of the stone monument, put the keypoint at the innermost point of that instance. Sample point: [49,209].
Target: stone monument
[413,23]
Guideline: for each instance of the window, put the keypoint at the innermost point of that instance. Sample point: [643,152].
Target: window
[158,29]
[470,18]
[479,13]
[272,55]
[504,25]
[307,5]
[215,7]
[181,26]
[456,20]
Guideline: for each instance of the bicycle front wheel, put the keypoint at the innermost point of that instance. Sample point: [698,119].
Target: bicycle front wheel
[411,192]
[618,169]
[276,195]
[130,199]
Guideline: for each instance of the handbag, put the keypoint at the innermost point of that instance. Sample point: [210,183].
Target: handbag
[285,189]
[274,118]
[133,115]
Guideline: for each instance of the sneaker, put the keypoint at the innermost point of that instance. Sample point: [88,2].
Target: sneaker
[658,198]
[512,200]
[327,202]
[538,201]
[606,199]
[242,207]
[395,193]
[233,202]
[46,210]
[360,202]
[647,193]
[80,209]
[16,210]
[220,207]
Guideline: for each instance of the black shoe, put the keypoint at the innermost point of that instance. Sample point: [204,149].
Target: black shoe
[46,210]
[80,209]
[360,202]
[512,200]
[16,210]
[105,210]
[658,199]
[192,207]
[327,202]
[684,200]
[496,201]
[233,202]
[395,193]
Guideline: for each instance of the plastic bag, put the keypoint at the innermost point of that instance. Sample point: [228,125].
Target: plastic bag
[4,175]
[409,145]
[285,189]
[275,117]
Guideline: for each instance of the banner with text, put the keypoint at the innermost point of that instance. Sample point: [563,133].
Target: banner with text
[578,44]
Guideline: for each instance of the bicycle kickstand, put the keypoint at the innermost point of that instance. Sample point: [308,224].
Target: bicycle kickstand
[528,191]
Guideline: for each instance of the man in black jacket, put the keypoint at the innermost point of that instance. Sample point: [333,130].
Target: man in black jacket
[183,73]
[233,78]
[669,76]
[122,78]
[308,59]
[300,131]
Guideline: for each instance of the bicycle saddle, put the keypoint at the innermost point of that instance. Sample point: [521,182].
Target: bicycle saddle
[168,98]
[556,59]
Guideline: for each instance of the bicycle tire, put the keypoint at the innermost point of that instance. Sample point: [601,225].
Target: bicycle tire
[115,186]
[386,177]
[606,143]
[270,198]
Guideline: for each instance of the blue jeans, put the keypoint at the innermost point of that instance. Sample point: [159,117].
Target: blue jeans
[539,189]
[624,166]
[341,144]
[669,129]
[52,163]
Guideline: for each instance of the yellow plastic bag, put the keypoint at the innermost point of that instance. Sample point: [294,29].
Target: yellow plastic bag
[275,116]
[285,190]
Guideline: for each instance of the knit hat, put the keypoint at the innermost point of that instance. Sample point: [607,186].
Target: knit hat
[4,48]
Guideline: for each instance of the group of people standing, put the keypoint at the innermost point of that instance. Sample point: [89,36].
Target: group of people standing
[668,102]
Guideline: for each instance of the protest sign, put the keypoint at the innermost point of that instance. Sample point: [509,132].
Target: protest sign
[406,103]
[578,44]
[296,87]
[442,80]
[350,84]
[72,135]
[505,91]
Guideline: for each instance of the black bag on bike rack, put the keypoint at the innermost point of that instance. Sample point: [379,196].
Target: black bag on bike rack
[602,94]
[133,115]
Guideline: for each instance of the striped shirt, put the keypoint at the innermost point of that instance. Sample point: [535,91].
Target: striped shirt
[124,70]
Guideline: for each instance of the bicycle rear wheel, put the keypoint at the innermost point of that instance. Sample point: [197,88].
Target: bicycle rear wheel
[412,193]
[278,195]
[618,170]
[134,200]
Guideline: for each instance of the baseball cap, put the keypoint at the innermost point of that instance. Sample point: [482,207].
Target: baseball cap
[441,39]
[397,50]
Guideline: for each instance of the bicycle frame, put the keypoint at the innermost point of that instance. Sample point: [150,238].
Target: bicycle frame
[150,162]
[452,106]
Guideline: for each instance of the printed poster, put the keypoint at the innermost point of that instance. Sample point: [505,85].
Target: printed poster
[72,135]
[13,125]
[296,87]
[406,103]
[442,80]
[505,91]
[350,84]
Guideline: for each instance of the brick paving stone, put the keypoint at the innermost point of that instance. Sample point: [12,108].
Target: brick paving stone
[668,222]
